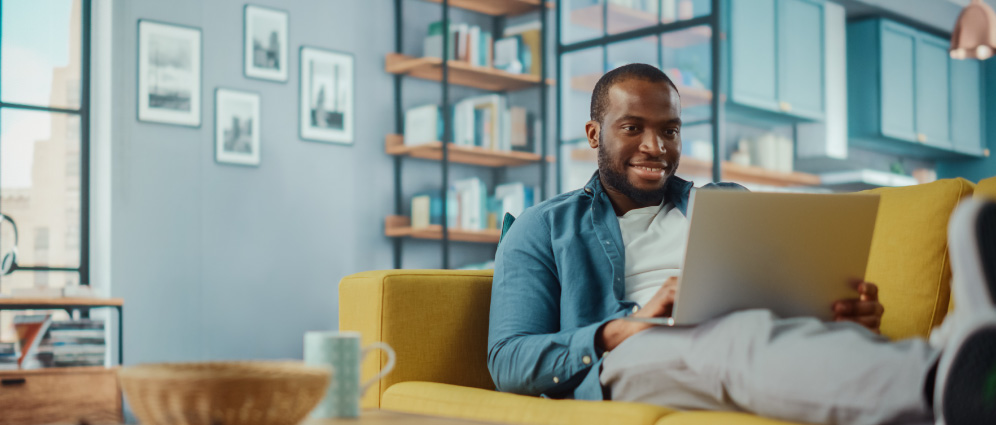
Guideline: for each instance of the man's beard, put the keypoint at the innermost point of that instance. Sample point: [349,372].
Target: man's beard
[617,180]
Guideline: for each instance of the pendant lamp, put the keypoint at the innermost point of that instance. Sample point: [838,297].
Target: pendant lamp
[974,35]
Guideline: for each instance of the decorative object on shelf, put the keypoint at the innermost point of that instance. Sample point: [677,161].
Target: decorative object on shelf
[236,127]
[265,43]
[326,113]
[169,73]
[233,393]
[974,35]
[9,262]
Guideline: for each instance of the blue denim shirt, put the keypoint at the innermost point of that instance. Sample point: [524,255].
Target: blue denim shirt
[559,275]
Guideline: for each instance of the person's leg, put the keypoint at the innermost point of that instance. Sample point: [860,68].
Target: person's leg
[791,369]
[965,392]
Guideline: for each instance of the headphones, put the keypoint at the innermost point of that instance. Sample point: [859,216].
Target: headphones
[9,263]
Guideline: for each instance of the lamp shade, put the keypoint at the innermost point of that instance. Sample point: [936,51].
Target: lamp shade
[974,34]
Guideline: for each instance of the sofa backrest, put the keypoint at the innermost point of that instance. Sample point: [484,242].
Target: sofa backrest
[436,321]
[986,188]
[909,256]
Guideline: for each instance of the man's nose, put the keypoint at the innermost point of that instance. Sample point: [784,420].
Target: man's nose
[652,144]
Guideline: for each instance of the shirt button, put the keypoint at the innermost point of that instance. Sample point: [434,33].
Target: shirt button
[587,190]
[556,380]
[586,360]
[636,308]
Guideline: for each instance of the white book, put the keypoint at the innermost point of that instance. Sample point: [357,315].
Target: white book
[421,124]
[474,55]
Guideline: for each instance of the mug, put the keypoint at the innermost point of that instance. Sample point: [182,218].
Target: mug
[342,351]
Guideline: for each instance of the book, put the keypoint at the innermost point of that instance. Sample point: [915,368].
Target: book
[423,124]
[78,342]
[9,355]
[507,54]
[30,330]
[531,46]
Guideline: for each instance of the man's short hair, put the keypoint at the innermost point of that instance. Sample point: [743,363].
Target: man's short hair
[642,71]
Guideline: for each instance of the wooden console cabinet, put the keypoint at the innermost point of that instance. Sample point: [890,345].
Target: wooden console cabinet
[60,395]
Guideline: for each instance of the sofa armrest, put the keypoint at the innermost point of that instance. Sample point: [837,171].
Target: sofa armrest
[436,321]
[453,401]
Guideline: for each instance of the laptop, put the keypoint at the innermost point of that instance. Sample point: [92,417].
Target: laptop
[794,254]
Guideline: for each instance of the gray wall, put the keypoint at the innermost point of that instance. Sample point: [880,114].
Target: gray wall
[226,262]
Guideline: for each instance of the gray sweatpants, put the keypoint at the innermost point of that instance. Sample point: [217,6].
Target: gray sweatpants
[798,369]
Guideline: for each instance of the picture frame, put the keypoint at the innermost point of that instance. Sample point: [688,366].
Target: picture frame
[265,43]
[169,73]
[236,127]
[326,96]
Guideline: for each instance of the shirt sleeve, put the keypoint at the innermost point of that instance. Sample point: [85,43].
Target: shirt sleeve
[528,353]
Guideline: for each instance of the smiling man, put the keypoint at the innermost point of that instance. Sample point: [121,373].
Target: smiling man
[571,268]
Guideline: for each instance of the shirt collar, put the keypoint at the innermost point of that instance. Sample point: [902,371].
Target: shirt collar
[677,191]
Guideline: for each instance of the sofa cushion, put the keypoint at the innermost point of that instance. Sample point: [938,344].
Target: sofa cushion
[909,257]
[710,418]
[436,321]
[986,188]
[429,398]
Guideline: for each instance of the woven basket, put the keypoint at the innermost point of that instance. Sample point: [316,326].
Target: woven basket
[232,393]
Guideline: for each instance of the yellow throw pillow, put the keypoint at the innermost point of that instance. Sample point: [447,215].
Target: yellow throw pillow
[909,256]
[986,188]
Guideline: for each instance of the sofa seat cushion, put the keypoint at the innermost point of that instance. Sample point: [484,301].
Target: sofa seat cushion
[909,256]
[710,418]
[429,398]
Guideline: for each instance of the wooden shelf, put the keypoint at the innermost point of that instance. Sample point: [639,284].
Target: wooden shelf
[497,7]
[57,303]
[394,144]
[60,370]
[690,96]
[731,171]
[460,73]
[622,19]
[398,226]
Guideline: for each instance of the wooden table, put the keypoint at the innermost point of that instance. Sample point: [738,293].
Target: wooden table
[386,417]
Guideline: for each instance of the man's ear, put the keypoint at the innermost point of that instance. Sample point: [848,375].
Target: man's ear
[593,130]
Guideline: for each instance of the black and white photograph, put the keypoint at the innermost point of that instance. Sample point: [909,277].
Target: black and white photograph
[326,113]
[265,42]
[236,127]
[169,73]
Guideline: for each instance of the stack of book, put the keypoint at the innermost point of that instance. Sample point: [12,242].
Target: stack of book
[519,49]
[467,43]
[70,343]
[484,121]
[469,206]
[8,355]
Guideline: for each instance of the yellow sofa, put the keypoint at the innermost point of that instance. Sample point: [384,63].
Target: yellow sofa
[437,322]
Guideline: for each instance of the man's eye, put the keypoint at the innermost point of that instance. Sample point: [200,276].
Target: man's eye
[671,132]
[629,128]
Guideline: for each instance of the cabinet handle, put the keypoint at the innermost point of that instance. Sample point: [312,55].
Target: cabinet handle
[12,381]
[785,106]
[922,138]
[985,152]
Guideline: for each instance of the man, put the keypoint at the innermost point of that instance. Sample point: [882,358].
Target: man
[570,268]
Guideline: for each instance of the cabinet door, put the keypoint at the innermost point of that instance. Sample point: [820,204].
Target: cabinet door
[752,53]
[966,106]
[800,57]
[897,53]
[933,99]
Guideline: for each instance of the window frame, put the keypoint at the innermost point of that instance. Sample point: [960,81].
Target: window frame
[83,111]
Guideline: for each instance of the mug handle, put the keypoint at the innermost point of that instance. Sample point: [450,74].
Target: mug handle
[387,368]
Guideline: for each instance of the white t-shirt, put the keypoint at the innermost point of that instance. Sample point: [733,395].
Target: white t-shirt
[655,247]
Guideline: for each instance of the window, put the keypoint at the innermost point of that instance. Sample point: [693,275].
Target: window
[44,95]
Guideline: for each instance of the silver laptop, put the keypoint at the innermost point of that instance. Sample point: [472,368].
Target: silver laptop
[793,254]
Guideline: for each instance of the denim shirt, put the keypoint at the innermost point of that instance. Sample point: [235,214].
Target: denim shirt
[559,276]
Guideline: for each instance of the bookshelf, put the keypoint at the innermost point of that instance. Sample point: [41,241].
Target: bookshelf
[471,155]
[451,73]
[730,171]
[9,303]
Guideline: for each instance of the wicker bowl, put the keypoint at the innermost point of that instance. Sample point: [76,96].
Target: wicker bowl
[229,393]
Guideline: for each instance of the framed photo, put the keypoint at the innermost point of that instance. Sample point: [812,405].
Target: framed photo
[236,127]
[265,42]
[169,73]
[326,110]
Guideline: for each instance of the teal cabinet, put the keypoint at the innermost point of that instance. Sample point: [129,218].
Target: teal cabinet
[776,56]
[966,106]
[906,96]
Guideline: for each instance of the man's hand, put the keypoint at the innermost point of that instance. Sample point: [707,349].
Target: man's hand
[661,305]
[864,310]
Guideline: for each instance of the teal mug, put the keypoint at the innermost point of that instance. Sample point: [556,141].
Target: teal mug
[341,350]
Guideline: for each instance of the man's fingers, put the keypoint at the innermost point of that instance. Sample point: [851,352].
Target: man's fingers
[868,291]
[858,308]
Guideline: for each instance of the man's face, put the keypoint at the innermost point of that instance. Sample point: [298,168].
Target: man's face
[639,139]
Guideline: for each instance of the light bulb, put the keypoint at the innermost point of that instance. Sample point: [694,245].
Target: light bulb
[983,52]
